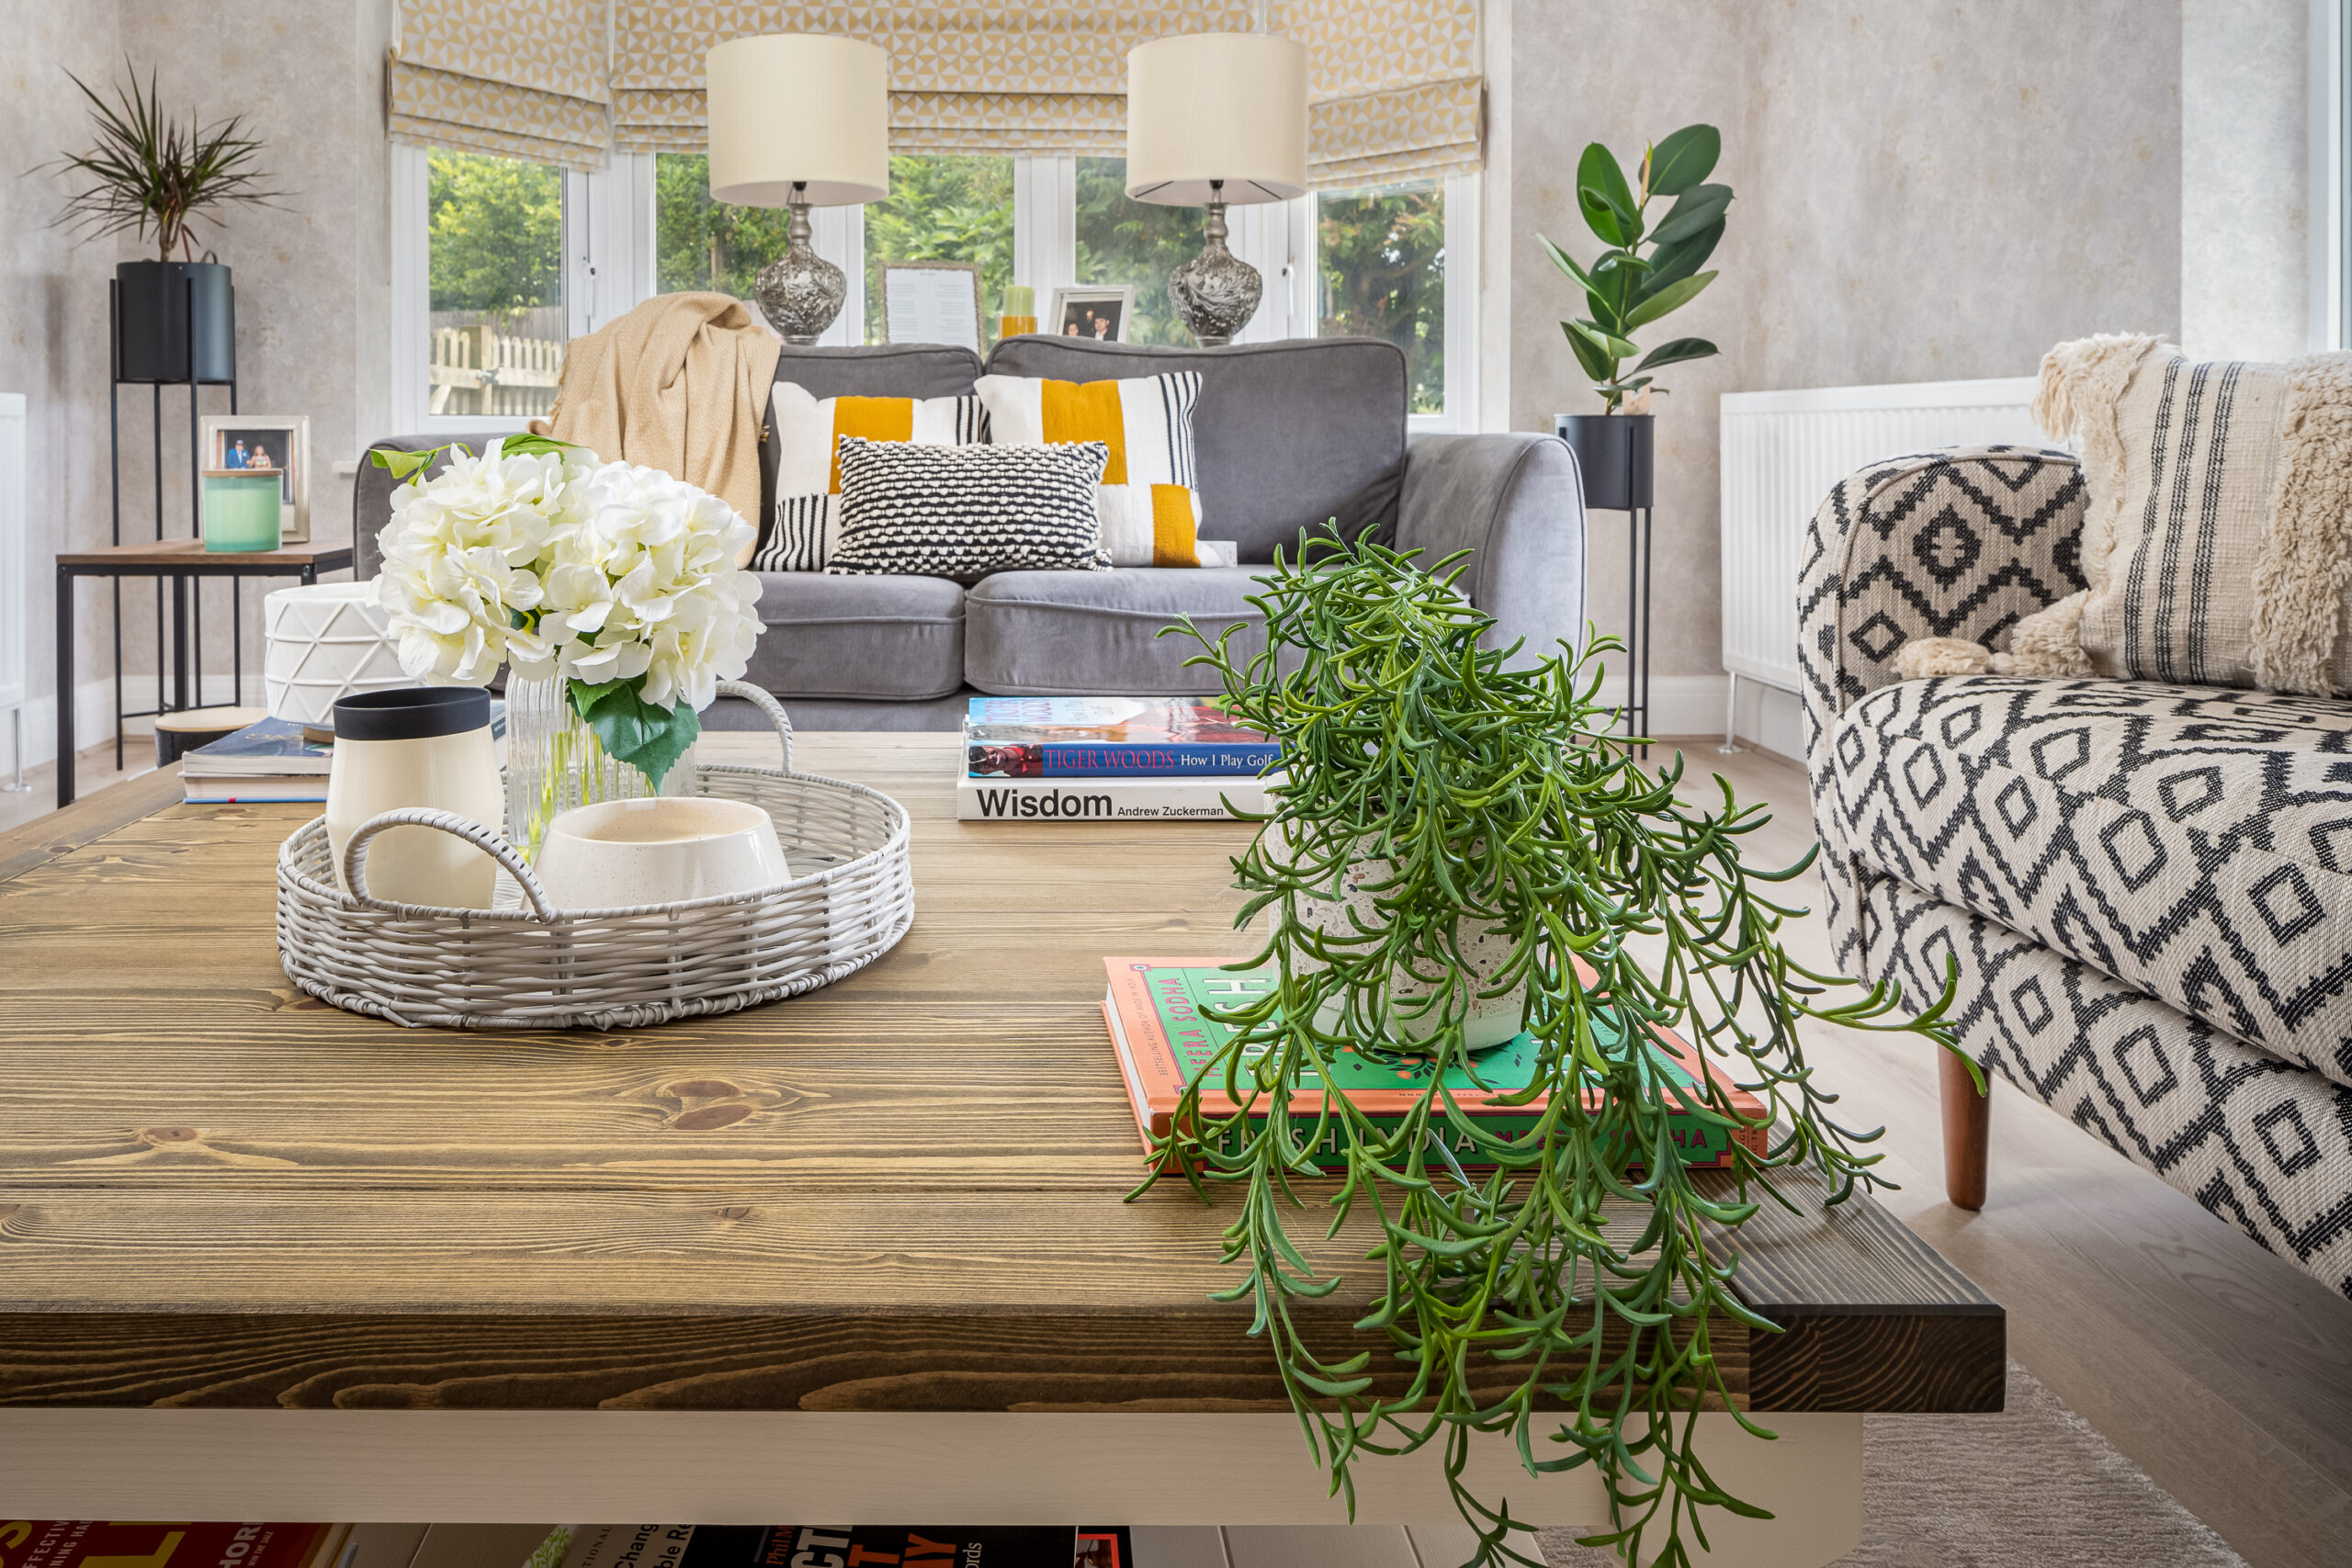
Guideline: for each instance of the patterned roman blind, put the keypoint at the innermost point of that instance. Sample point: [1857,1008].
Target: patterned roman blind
[1395,87]
[521,78]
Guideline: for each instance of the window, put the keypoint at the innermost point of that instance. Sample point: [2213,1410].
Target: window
[1132,242]
[942,208]
[494,270]
[701,243]
[1380,272]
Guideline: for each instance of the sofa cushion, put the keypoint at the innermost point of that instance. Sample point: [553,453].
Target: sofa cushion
[1287,434]
[1095,633]
[892,638]
[2193,842]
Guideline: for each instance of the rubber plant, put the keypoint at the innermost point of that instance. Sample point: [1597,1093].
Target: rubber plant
[1625,289]
[1486,793]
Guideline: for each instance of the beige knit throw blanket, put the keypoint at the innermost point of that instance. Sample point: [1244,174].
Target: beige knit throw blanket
[679,384]
[2240,527]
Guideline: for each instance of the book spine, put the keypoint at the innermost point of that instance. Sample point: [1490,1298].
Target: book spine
[1705,1144]
[1129,759]
[1146,800]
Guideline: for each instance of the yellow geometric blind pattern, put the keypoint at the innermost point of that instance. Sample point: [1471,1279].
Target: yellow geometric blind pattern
[1393,87]
[520,78]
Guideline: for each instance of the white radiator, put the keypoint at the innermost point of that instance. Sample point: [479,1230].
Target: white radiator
[15,587]
[1782,453]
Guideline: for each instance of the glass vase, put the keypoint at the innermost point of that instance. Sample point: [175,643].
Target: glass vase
[555,762]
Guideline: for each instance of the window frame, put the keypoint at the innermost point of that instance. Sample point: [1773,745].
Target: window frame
[609,266]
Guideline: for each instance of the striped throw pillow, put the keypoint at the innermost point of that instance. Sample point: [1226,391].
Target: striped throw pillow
[962,512]
[1150,501]
[803,432]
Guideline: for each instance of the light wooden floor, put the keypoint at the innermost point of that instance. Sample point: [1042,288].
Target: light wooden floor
[94,770]
[2221,1370]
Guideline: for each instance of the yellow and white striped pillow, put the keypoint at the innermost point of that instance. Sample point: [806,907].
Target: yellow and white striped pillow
[804,434]
[1149,500]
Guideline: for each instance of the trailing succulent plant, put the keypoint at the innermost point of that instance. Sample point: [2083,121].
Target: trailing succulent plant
[1486,803]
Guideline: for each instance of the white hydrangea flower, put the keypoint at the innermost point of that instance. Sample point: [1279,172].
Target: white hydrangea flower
[646,584]
[462,560]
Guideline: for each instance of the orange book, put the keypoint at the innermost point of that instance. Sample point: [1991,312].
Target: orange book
[1158,1013]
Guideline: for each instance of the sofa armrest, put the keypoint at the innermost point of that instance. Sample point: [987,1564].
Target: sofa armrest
[371,498]
[1963,543]
[1517,501]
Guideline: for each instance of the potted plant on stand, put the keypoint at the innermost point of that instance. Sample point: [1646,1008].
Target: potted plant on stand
[1455,835]
[1627,290]
[158,178]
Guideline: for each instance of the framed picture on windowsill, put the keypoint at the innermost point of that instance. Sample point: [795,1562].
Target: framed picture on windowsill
[241,448]
[931,301]
[1098,313]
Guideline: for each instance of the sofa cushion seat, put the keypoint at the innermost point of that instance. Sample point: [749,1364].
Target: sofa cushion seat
[1090,633]
[894,639]
[2193,842]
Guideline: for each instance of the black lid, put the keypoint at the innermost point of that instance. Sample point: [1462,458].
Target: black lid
[411,713]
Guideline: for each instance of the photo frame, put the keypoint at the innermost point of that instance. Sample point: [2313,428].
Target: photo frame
[1100,313]
[931,301]
[238,445]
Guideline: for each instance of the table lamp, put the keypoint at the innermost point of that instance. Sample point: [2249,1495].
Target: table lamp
[1215,118]
[800,121]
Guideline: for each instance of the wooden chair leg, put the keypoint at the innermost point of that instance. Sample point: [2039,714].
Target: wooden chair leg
[1968,1118]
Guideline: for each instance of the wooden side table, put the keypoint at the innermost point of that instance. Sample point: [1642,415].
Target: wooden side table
[175,558]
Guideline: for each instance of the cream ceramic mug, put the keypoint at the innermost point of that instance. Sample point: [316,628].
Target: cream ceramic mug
[423,746]
[666,850]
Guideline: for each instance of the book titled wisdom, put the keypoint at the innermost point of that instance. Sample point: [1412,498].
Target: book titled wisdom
[1158,1010]
[1109,800]
[1031,738]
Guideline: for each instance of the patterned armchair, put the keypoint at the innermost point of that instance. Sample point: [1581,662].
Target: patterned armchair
[2147,889]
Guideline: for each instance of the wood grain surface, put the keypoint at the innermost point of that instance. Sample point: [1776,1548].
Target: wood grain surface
[902,1193]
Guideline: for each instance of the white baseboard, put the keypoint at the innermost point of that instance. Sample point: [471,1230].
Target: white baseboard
[94,714]
[1679,705]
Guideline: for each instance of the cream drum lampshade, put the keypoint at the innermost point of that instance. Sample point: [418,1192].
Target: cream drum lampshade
[1228,106]
[798,108]
[326,640]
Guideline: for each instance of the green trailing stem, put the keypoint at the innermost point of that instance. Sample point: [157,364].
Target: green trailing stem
[1483,789]
[1626,290]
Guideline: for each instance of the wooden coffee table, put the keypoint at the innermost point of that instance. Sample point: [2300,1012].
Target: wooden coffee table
[860,1254]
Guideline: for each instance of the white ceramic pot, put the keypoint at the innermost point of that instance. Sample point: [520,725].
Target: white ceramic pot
[326,641]
[416,746]
[662,850]
[1491,1021]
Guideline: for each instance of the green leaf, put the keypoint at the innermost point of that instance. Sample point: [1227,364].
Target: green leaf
[1673,297]
[405,465]
[1609,343]
[631,729]
[1604,194]
[1675,352]
[1683,159]
[530,445]
[1617,280]
[1590,354]
[1565,263]
[1672,263]
[1694,210]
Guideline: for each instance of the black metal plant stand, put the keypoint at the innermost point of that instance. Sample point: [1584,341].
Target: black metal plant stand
[186,617]
[1614,456]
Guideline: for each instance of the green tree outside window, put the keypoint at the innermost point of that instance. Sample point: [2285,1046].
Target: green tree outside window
[496,226]
[1135,243]
[944,208]
[700,244]
[1383,266]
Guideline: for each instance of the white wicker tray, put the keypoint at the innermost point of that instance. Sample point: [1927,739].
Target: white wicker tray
[540,967]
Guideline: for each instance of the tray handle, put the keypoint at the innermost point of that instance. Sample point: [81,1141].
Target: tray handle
[495,845]
[759,698]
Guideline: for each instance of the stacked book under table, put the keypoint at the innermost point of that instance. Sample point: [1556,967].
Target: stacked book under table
[1110,759]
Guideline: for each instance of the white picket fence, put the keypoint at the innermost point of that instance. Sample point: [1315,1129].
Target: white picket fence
[479,369]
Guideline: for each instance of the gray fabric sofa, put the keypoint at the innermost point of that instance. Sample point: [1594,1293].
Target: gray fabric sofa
[1294,436]
[2146,887]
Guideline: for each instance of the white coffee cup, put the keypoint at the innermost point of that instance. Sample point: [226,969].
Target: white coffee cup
[620,854]
[416,746]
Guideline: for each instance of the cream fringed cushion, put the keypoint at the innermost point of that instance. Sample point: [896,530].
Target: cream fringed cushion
[2217,540]
[804,437]
[1150,502]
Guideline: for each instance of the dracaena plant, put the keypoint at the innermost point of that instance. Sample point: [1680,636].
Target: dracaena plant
[1626,290]
[1464,788]
[158,178]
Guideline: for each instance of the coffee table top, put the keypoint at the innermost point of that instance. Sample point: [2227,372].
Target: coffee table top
[901,1191]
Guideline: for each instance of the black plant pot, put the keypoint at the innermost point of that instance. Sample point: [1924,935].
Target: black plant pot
[1614,450]
[155,330]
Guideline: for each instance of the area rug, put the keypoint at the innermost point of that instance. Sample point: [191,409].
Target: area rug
[2033,1487]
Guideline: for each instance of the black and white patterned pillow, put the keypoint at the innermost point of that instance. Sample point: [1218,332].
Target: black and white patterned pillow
[964,511]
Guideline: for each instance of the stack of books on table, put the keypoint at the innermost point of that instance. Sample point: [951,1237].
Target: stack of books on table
[1110,759]
[274,760]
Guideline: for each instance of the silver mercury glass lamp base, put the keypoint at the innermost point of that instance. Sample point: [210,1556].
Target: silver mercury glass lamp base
[800,292]
[1217,292]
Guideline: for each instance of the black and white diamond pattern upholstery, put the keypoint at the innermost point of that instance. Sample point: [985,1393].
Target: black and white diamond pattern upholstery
[2148,888]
